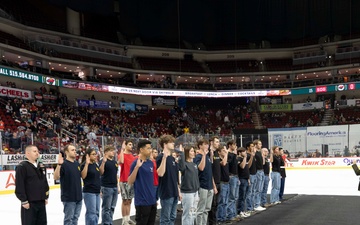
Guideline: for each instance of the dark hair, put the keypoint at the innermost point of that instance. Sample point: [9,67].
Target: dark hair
[201,142]
[87,152]
[142,143]
[187,151]
[241,149]
[231,142]
[247,145]
[213,138]
[128,141]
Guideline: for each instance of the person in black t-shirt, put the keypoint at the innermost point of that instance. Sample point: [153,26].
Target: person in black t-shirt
[68,171]
[259,176]
[223,200]
[282,173]
[32,188]
[275,160]
[234,181]
[244,176]
[90,174]
[215,159]
[264,202]
[252,168]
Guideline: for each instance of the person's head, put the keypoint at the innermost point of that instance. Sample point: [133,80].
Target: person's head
[129,145]
[32,153]
[203,145]
[167,142]
[154,153]
[249,146]
[275,149]
[144,148]
[109,152]
[231,145]
[222,151]
[70,152]
[241,151]
[189,152]
[91,153]
[265,152]
[281,151]
[214,142]
[257,144]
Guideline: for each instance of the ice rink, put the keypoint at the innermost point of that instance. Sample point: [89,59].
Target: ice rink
[299,181]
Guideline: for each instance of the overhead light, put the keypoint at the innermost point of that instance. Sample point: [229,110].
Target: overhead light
[59,64]
[185,80]
[107,71]
[19,57]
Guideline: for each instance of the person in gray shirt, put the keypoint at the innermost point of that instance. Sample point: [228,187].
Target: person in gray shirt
[189,184]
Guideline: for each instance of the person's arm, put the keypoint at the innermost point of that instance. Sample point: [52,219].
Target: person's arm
[102,166]
[243,163]
[134,172]
[84,170]
[271,156]
[355,168]
[202,163]
[251,159]
[58,167]
[162,168]
[181,162]
[225,159]
[121,156]
[20,186]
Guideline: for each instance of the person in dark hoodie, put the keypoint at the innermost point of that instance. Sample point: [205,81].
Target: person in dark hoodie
[32,188]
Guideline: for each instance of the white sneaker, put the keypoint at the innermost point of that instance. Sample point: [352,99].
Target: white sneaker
[244,214]
[278,202]
[131,222]
[259,208]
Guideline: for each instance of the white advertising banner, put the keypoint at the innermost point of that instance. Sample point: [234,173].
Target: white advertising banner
[291,139]
[354,138]
[15,159]
[7,179]
[329,162]
[328,140]
[308,106]
[15,93]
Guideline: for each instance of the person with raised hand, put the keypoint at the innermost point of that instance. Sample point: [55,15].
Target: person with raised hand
[142,178]
[189,184]
[90,174]
[68,171]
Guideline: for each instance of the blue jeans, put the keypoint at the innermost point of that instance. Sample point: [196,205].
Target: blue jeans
[223,201]
[168,211]
[72,212]
[250,196]
[259,187]
[233,197]
[204,205]
[243,192]
[92,203]
[189,205]
[109,199]
[264,191]
[274,196]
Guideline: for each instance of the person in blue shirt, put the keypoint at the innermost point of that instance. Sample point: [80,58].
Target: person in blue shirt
[142,177]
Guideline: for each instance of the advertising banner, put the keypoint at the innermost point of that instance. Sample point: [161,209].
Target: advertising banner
[15,93]
[328,140]
[127,106]
[162,100]
[93,104]
[308,106]
[7,180]
[275,108]
[290,139]
[15,159]
[354,138]
[141,108]
[20,74]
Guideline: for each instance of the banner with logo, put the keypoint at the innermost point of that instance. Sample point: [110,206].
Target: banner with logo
[308,106]
[127,106]
[291,139]
[93,104]
[20,74]
[354,137]
[275,108]
[15,159]
[163,100]
[15,93]
[328,140]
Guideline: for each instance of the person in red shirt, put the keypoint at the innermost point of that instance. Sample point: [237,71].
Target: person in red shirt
[2,128]
[126,158]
